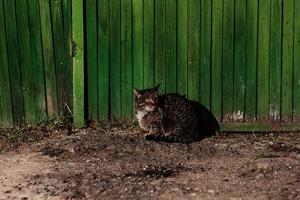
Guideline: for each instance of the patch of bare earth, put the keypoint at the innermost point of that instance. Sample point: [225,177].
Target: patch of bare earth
[112,163]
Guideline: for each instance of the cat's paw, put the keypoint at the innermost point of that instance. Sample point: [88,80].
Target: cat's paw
[150,137]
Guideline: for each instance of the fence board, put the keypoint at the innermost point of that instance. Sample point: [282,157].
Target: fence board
[171,50]
[91,59]
[37,61]
[239,58]
[275,59]
[297,62]
[182,47]
[193,49]
[126,58]
[78,66]
[13,60]
[6,117]
[216,82]
[205,51]
[25,60]
[287,59]
[115,58]
[148,43]
[160,45]
[251,60]
[263,58]
[228,62]
[48,55]
[103,59]
[137,42]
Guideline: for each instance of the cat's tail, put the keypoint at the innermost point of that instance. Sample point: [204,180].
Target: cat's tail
[170,138]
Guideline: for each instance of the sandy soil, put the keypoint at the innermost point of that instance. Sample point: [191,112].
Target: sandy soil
[113,163]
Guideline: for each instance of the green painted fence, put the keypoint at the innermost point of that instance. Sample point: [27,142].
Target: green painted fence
[35,63]
[240,58]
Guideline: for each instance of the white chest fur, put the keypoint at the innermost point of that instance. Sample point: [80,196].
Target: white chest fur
[139,115]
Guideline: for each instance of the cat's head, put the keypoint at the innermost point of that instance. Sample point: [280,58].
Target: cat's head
[146,100]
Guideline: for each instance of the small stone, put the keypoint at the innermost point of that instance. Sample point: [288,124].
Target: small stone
[263,165]
[193,194]
[260,175]
[211,191]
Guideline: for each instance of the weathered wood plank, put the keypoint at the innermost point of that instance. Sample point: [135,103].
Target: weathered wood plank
[239,58]
[13,61]
[216,82]
[6,116]
[126,59]
[205,51]
[78,64]
[103,59]
[91,58]
[148,43]
[287,60]
[171,50]
[263,59]
[37,61]
[251,60]
[228,61]
[160,45]
[138,45]
[115,58]
[48,57]
[297,62]
[275,59]
[193,49]
[25,60]
[182,47]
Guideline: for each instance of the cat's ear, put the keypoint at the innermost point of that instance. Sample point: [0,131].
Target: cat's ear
[136,93]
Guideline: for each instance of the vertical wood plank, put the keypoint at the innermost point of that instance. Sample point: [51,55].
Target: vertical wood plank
[48,56]
[25,60]
[5,94]
[91,58]
[67,26]
[148,43]
[78,64]
[160,45]
[171,50]
[126,58]
[228,61]
[205,51]
[263,59]
[275,59]
[193,49]
[239,58]
[103,59]
[216,82]
[13,61]
[37,60]
[182,47]
[251,60]
[138,46]
[297,62]
[287,59]
[115,58]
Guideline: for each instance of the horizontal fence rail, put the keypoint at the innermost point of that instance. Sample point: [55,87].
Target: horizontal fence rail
[35,63]
[238,58]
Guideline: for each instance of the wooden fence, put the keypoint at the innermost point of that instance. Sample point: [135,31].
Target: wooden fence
[237,57]
[35,63]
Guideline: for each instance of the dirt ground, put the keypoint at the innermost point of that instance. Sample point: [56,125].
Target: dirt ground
[115,162]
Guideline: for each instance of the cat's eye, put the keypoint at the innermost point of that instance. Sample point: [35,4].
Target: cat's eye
[141,104]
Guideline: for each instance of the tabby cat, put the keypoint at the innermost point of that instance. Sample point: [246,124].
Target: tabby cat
[168,118]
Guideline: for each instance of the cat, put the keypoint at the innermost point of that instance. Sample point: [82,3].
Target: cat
[168,118]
